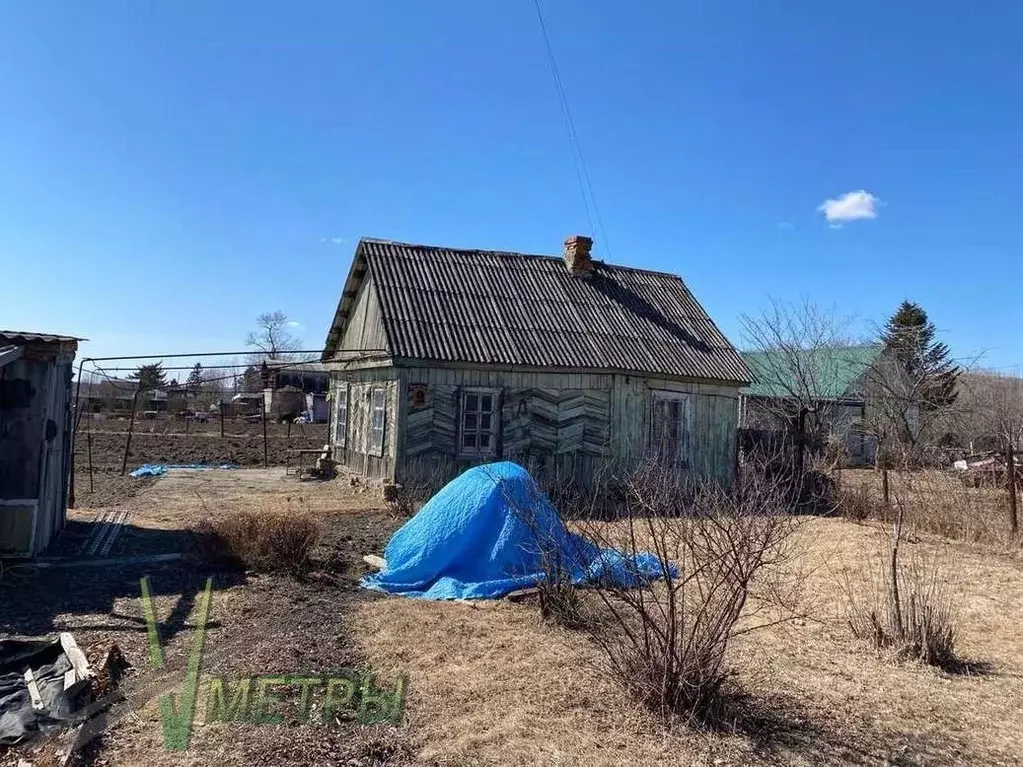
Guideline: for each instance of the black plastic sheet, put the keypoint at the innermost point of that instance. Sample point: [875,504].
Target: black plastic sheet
[46,658]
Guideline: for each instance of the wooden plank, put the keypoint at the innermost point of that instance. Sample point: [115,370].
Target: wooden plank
[374,561]
[99,534]
[17,517]
[115,531]
[75,655]
[147,559]
[33,690]
[100,521]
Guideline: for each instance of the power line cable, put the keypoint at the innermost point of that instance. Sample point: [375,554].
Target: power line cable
[582,174]
[117,383]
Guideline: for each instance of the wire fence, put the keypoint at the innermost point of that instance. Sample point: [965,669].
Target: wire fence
[238,415]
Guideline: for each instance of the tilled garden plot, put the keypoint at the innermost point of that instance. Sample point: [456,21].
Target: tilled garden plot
[108,486]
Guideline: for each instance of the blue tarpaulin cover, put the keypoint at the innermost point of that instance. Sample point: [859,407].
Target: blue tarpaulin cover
[159,469]
[488,532]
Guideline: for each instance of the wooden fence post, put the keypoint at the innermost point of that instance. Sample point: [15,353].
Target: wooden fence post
[1010,475]
[262,408]
[88,439]
[131,427]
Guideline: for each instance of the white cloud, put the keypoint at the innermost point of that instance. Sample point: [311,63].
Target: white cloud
[296,325]
[334,240]
[851,206]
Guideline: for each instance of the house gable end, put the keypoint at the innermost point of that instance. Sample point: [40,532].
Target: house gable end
[358,322]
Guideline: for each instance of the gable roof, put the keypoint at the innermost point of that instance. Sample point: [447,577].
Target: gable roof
[493,307]
[27,337]
[833,371]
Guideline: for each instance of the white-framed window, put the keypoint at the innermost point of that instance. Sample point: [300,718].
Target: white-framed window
[479,423]
[670,437]
[341,415]
[377,420]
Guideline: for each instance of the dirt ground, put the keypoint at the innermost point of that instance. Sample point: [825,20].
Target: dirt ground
[101,447]
[259,624]
[490,683]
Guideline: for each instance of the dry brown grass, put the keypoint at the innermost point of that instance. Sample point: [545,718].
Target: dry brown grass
[935,502]
[274,538]
[494,684]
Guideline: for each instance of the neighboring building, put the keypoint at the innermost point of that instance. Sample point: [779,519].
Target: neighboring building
[35,438]
[245,403]
[106,396]
[833,379]
[291,388]
[307,377]
[444,358]
[284,404]
[116,396]
[316,406]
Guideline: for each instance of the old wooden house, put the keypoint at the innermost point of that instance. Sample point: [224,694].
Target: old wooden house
[35,438]
[443,358]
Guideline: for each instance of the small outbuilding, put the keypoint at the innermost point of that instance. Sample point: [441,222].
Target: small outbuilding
[443,358]
[35,438]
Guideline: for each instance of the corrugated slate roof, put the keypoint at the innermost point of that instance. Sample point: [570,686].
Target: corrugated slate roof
[492,307]
[833,371]
[24,337]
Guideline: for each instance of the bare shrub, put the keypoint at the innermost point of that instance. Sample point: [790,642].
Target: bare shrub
[911,613]
[268,541]
[560,601]
[724,570]
[856,504]
[835,454]
[913,619]
[420,481]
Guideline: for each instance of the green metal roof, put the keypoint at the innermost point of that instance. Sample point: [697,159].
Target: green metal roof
[833,372]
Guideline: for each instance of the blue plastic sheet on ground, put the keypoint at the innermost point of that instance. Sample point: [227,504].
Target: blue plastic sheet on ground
[159,469]
[491,531]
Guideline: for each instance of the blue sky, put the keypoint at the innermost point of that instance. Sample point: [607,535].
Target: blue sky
[170,170]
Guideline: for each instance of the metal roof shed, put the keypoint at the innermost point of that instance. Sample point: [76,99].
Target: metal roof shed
[35,438]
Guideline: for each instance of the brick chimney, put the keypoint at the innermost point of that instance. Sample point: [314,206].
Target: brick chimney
[577,255]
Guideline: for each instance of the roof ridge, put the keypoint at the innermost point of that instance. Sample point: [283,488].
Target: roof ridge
[515,254]
[837,347]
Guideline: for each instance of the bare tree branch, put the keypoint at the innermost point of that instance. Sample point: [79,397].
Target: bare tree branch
[272,339]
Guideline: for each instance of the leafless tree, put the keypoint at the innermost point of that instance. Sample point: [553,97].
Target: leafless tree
[903,411]
[800,351]
[272,340]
